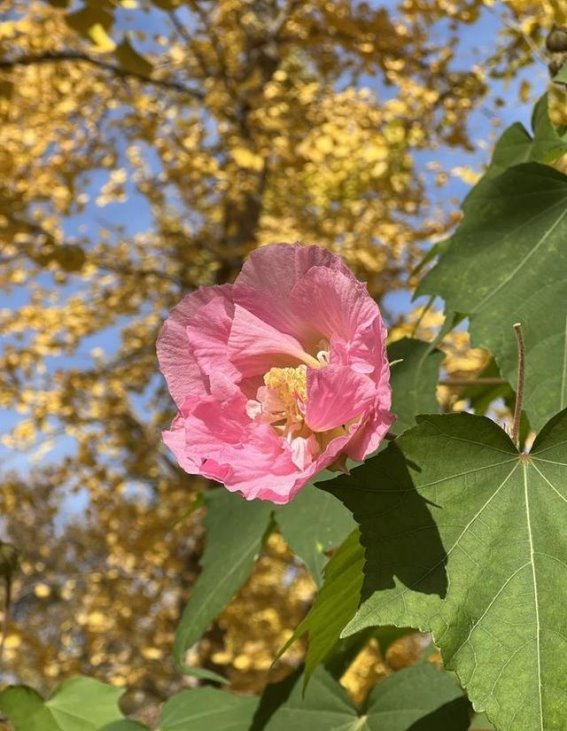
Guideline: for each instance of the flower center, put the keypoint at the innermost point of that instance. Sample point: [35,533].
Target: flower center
[290,387]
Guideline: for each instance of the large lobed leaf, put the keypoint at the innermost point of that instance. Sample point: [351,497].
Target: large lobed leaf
[507,263]
[464,537]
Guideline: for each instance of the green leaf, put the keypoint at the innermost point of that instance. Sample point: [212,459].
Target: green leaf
[125,725]
[481,722]
[561,76]
[419,697]
[131,60]
[516,145]
[77,704]
[235,532]
[414,380]
[335,604]
[312,523]
[207,708]
[507,263]
[464,537]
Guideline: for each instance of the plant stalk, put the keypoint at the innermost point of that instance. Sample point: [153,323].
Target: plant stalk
[519,383]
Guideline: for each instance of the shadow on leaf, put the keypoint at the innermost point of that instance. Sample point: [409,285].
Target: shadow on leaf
[398,531]
[452,715]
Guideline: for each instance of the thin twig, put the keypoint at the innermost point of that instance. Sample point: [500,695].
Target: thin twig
[424,311]
[519,384]
[483,381]
[44,58]
[517,29]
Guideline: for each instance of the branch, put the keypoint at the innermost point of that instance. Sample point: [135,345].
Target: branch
[487,381]
[98,63]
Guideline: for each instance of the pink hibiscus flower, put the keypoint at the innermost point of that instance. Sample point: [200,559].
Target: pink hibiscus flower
[276,376]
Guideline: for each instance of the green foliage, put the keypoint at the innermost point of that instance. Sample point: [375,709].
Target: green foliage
[517,146]
[335,604]
[314,522]
[414,380]
[463,537]
[420,697]
[235,533]
[199,709]
[561,76]
[78,703]
[207,708]
[507,263]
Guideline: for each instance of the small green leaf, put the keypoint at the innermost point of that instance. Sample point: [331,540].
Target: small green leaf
[561,76]
[414,380]
[235,532]
[207,708]
[131,60]
[516,145]
[312,523]
[78,703]
[335,604]
[464,537]
[507,263]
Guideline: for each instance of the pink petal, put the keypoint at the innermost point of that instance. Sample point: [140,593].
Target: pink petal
[208,332]
[333,304]
[365,352]
[176,360]
[270,273]
[367,439]
[303,451]
[335,395]
[255,346]
[175,439]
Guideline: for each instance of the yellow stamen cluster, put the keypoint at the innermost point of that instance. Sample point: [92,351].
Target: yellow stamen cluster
[290,384]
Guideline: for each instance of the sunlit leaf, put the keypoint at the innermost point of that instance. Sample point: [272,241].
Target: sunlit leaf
[207,708]
[77,703]
[464,536]
[507,263]
[516,145]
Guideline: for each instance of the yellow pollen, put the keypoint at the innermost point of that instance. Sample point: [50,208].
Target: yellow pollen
[290,384]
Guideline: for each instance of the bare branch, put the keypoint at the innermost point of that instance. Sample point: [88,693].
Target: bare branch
[76,56]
